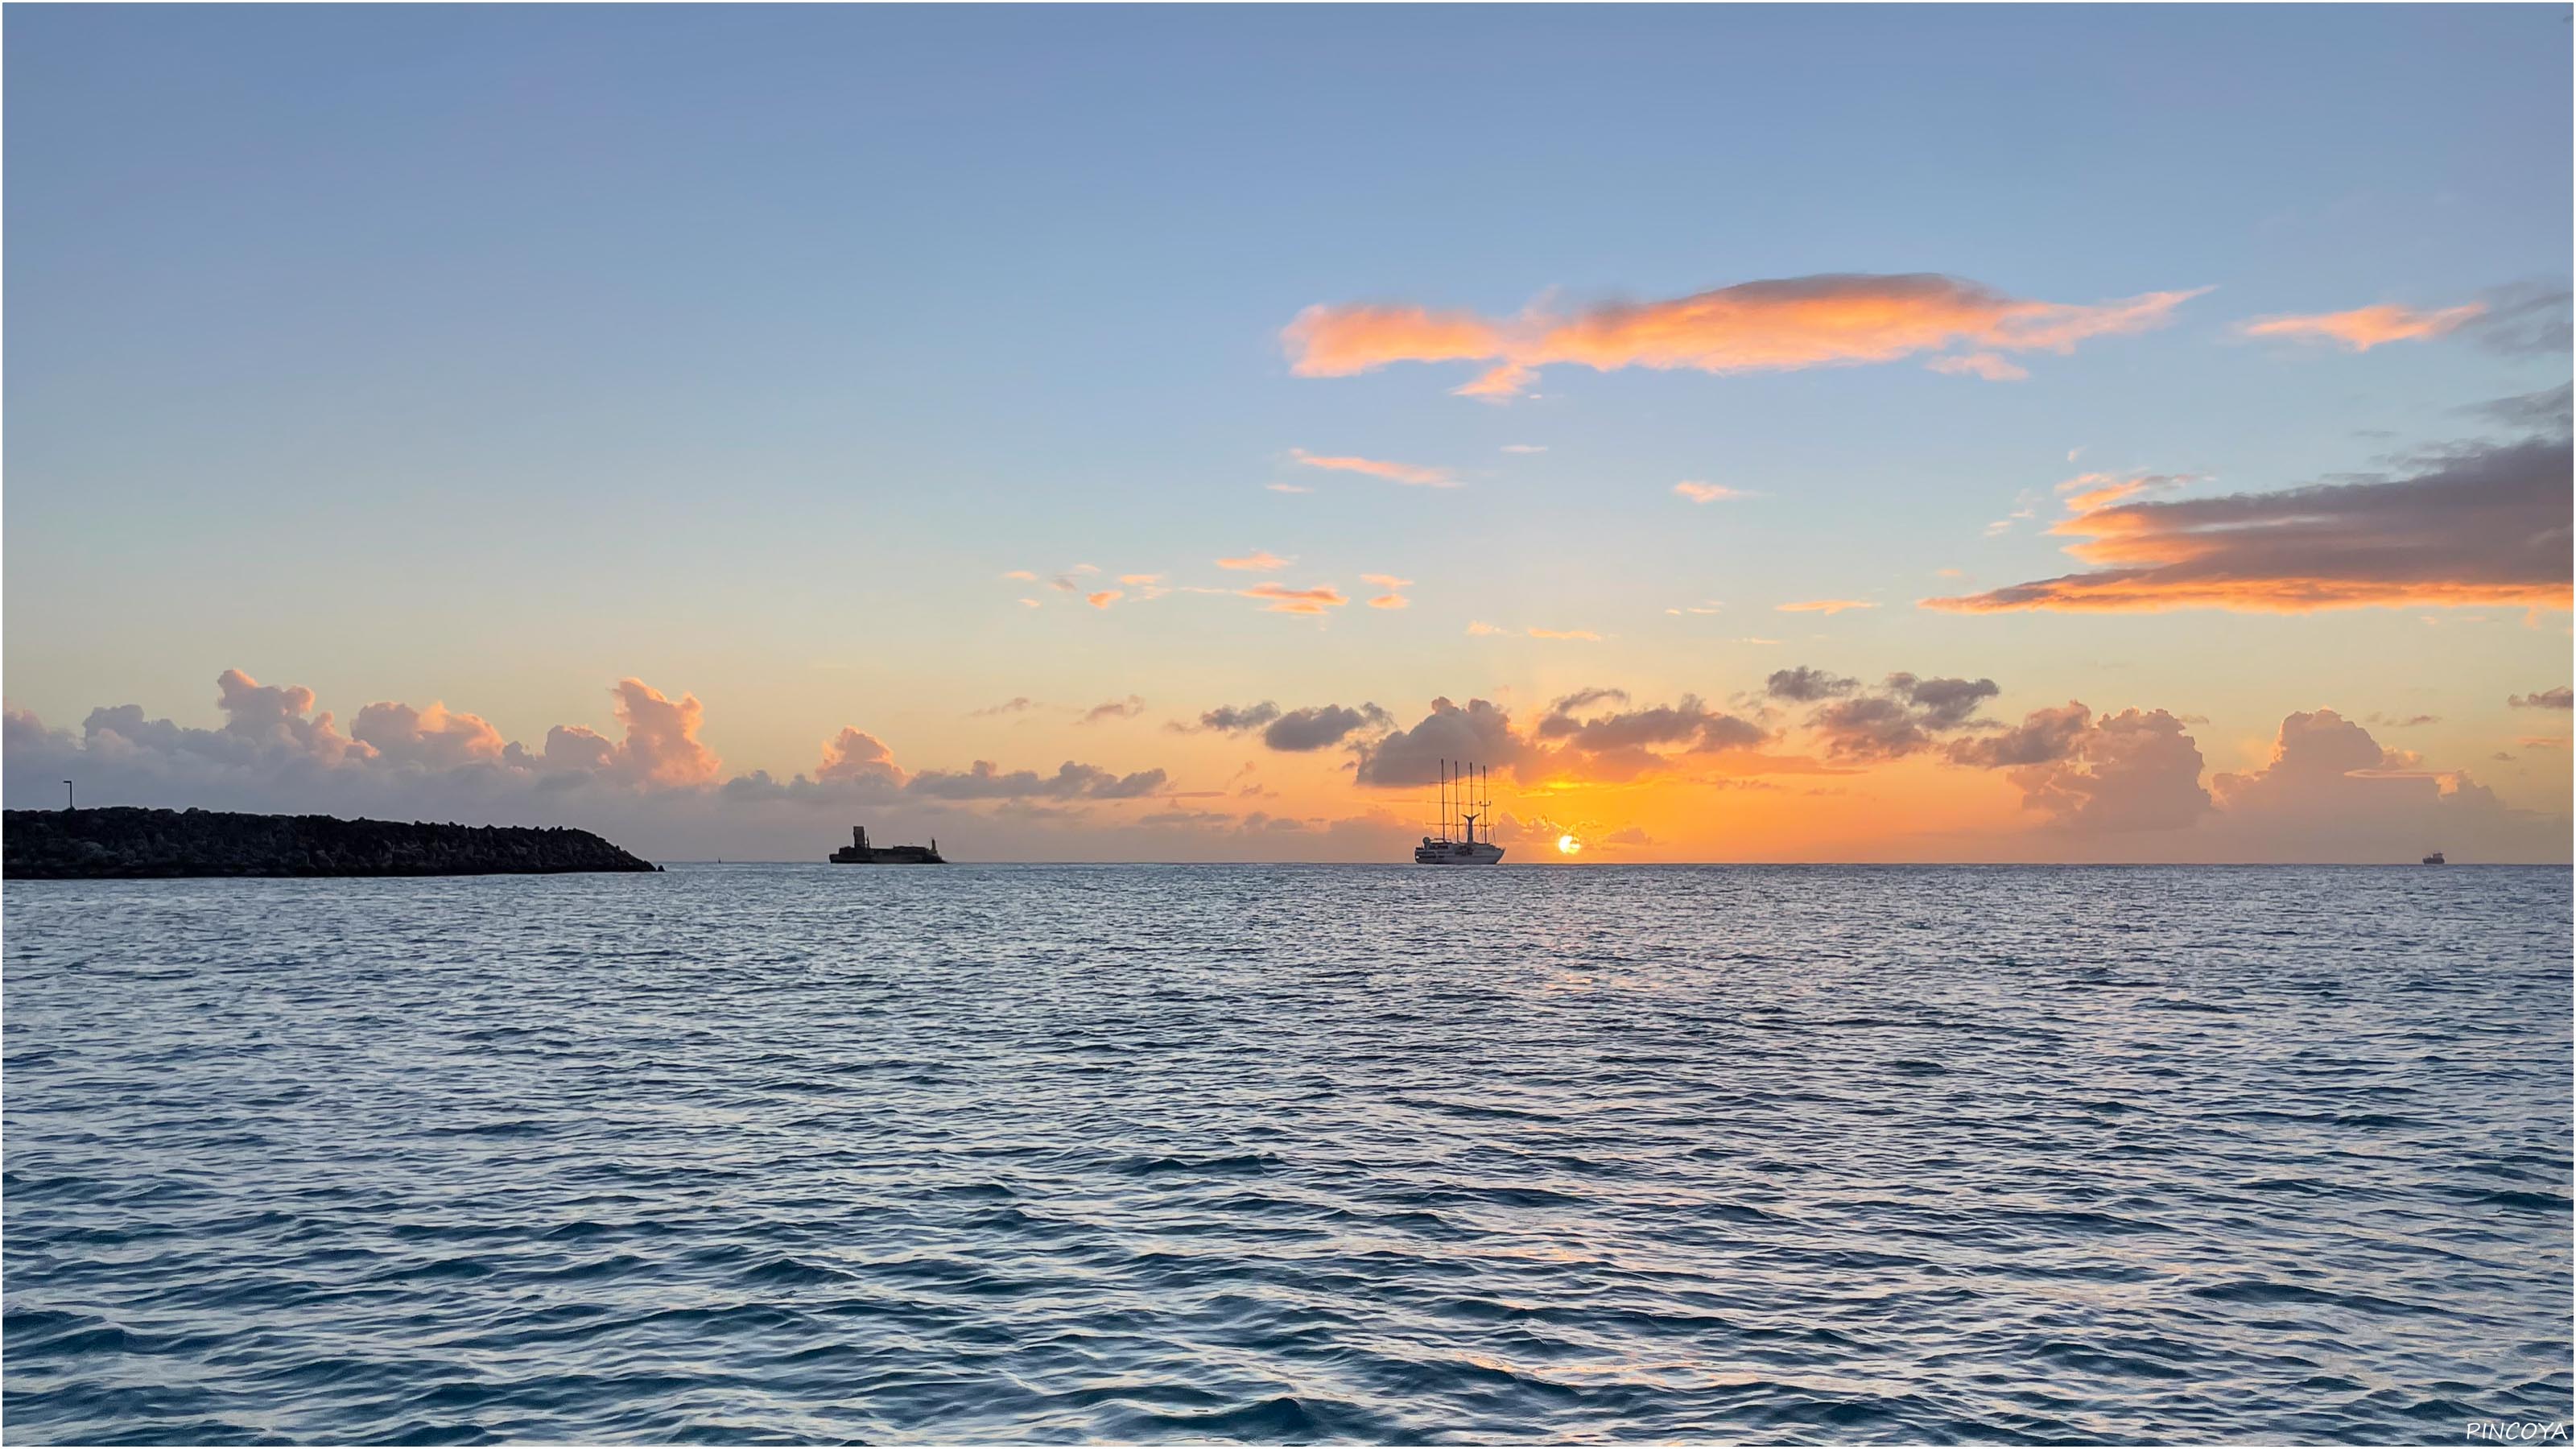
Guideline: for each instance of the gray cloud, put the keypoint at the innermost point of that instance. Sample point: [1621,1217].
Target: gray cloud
[2560,698]
[2528,319]
[1321,726]
[1127,708]
[2475,524]
[1480,731]
[1905,715]
[2544,412]
[1226,719]
[1803,685]
[1071,781]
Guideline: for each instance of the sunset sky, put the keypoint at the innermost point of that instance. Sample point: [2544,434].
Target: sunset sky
[1840,433]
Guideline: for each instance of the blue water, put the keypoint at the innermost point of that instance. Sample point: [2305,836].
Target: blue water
[1290,1153]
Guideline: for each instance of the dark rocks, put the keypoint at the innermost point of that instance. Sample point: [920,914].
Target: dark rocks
[124,842]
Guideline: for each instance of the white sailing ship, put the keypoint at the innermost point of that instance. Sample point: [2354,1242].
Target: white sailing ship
[1464,802]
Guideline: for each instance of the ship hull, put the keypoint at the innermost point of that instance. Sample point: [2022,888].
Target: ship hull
[1458,854]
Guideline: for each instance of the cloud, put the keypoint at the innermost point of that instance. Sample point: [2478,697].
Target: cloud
[1127,708]
[1280,599]
[2331,792]
[1622,744]
[1524,447]
[2363,328]
[2087,491]
[2135,770]
[1698,492]
[855,757]
[1480,731]
[2562,697]
[1023,575]
[2408,722]
[1071,781]
[1406,473]
[1104,598]
[1017,704]
[1139,580]
[2478,524]
[1386,581]
[1776,325]
[1584,635]
[661,745]
[432,738]
[1258,561]
[1479,626]
[1988,365]
[1390,601]
[1803,685]
[1302,730]
[2545,412]
[1903,716]
[1289,488]
[2043,736]
[1226,719]
[1824,606]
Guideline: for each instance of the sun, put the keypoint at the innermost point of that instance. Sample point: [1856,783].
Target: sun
[1568,845]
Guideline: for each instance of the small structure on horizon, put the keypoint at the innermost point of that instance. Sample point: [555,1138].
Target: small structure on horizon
[859,852]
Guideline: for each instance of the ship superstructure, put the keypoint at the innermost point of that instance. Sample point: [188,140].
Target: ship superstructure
[1466,802]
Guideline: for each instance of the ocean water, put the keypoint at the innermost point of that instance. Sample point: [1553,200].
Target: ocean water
[1289,1153]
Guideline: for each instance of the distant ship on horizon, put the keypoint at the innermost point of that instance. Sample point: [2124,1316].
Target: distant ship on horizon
[859,852]
[1459,789]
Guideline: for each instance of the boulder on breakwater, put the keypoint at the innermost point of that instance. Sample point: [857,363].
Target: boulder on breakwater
[124,842]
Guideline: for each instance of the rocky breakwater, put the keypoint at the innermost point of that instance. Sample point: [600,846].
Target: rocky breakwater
[122,842]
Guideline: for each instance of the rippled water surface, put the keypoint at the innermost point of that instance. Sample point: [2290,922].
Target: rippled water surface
[1290,1153]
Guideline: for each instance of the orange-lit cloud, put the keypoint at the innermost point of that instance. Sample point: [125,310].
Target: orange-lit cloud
[2087,491]
[435,738]
[1390,601]
[1406,473]
[1698,492]
[661,745]
[1134,580]
[1290,488]
[1259,561]
[857,757]
[2364,328]
[1823,606]
[1797,322]
[2478,525]
[1104,598]
[1282,599]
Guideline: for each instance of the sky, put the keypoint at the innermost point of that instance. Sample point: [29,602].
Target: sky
[1811,433]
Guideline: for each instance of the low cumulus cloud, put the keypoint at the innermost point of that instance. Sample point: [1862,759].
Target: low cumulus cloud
[1296,731]
[1839,319]
[1906,714]
[2135,770]
[1072,781]
[1592,734]
[652,777]
[1803,685]
[2562,697]
[1479,730]
[2476,524]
